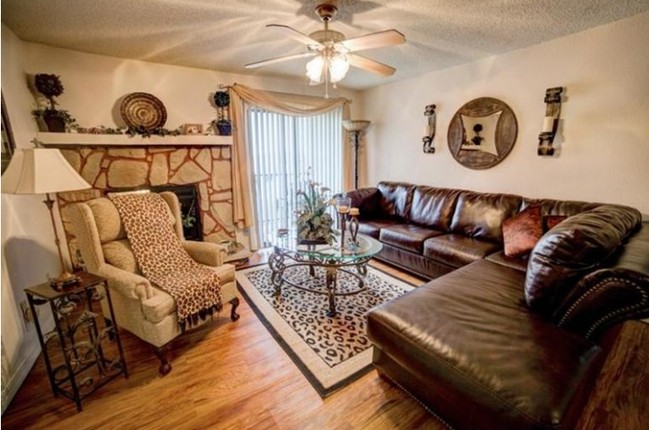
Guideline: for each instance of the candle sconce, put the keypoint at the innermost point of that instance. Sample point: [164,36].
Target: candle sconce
[428,140]
[550,122]
[353,228]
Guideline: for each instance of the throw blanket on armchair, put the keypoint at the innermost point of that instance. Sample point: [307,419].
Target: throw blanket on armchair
[162,258]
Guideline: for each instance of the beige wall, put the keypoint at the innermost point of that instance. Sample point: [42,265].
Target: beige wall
[604,135]
[93,84]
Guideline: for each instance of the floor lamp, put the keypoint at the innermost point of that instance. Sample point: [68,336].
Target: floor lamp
[355,127]
[43,171]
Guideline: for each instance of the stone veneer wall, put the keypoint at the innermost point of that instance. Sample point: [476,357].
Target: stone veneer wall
[108,168]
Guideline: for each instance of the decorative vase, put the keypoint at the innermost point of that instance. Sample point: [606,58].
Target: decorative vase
[54,122]
[224,127]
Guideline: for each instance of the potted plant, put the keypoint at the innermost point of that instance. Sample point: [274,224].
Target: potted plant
[51,87]
[222,101]
[314,223]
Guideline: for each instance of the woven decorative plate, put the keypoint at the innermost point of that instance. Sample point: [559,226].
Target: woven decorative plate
[143,110]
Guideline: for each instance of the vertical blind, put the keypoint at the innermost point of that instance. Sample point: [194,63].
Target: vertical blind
[287,152]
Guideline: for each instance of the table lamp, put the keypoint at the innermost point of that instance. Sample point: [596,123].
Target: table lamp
[355,127]
[43,171]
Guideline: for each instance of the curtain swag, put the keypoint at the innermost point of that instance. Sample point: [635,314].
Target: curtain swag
[288,104]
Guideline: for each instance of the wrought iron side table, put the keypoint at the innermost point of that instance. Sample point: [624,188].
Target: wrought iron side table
[76,351]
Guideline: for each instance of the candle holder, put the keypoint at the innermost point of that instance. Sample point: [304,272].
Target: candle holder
[353,227]
[343,205]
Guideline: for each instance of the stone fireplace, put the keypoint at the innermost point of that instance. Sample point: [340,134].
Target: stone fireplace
[106,168]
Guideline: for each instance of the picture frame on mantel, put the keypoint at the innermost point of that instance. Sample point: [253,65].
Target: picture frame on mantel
[482,133]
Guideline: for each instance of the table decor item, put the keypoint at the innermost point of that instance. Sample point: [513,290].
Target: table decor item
[222,123]
[143,111]
[56,121]
[314,223]
[353,227]
[343,204]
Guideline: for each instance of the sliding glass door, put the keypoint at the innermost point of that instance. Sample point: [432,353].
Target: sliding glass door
[288,151]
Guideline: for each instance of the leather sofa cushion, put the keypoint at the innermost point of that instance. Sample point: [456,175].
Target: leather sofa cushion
[373,227]
[433,207]
[407,236]
[481,215]
[518,263]
[396,199]
[367,202]
[572,249]
[457,250]
[481,354]
[559,207]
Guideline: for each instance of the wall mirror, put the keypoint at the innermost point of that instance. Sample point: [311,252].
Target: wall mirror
[482,133]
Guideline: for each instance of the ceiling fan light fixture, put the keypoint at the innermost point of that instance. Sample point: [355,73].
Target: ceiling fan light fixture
[338,67]
[314,69]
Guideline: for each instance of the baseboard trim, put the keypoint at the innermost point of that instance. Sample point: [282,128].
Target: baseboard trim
[19,376]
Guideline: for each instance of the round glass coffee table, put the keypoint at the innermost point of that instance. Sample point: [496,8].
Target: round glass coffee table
[289,253]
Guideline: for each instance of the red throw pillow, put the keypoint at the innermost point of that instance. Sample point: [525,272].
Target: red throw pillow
[549,221]
[522,231]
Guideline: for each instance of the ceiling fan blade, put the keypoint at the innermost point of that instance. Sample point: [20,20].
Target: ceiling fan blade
[374,40]
[370,65]
[293,33]
[279,60]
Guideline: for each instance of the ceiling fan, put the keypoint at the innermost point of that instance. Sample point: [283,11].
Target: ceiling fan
[333,53]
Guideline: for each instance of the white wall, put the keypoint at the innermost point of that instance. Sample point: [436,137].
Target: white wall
[605,134]
[93,84]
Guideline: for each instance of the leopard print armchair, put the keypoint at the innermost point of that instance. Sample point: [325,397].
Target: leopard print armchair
[140,307]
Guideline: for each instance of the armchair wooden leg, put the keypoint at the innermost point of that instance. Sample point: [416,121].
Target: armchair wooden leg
[163,355]
[235,304]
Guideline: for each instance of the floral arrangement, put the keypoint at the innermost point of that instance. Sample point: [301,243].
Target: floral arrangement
[314,223]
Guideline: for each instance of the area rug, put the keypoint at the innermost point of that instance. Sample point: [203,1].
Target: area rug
[330,352]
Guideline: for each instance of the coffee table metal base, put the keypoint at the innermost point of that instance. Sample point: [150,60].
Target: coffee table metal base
[278,264]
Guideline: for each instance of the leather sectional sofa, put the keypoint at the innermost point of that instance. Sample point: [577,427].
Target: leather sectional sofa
[498,342]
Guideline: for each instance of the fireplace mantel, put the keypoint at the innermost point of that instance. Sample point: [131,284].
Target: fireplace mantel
[83,139]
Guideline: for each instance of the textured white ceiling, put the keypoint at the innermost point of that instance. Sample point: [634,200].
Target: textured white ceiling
[225,35]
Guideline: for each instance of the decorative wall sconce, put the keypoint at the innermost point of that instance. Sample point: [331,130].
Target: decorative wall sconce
[355,128]
[429,147]
[551,121]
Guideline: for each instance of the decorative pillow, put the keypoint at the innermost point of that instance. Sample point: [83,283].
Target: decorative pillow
[572,249]
[550,221]
[119,254]
[522,231]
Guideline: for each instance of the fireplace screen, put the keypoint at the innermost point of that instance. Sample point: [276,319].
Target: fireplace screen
[188,197]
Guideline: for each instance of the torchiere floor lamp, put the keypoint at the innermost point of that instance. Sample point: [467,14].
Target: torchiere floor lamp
[356,127]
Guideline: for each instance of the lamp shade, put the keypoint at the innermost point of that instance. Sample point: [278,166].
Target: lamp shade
[40,171]
[355,124]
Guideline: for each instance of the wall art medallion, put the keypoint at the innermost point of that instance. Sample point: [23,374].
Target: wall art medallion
[143,110]
[482,133]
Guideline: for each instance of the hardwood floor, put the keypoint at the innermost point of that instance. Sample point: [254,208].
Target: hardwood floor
[226,376]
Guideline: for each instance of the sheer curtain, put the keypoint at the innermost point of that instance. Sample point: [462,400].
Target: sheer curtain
[244,98]
[285,153]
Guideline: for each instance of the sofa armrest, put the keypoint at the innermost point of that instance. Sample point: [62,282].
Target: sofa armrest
[604,298]
[367,202]
[207,253]
[126,283]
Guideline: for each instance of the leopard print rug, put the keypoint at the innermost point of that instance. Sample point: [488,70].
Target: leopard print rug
[163,260]
[331,352]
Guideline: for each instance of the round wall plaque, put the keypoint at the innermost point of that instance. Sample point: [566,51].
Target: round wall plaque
[143,110]
[482,133]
